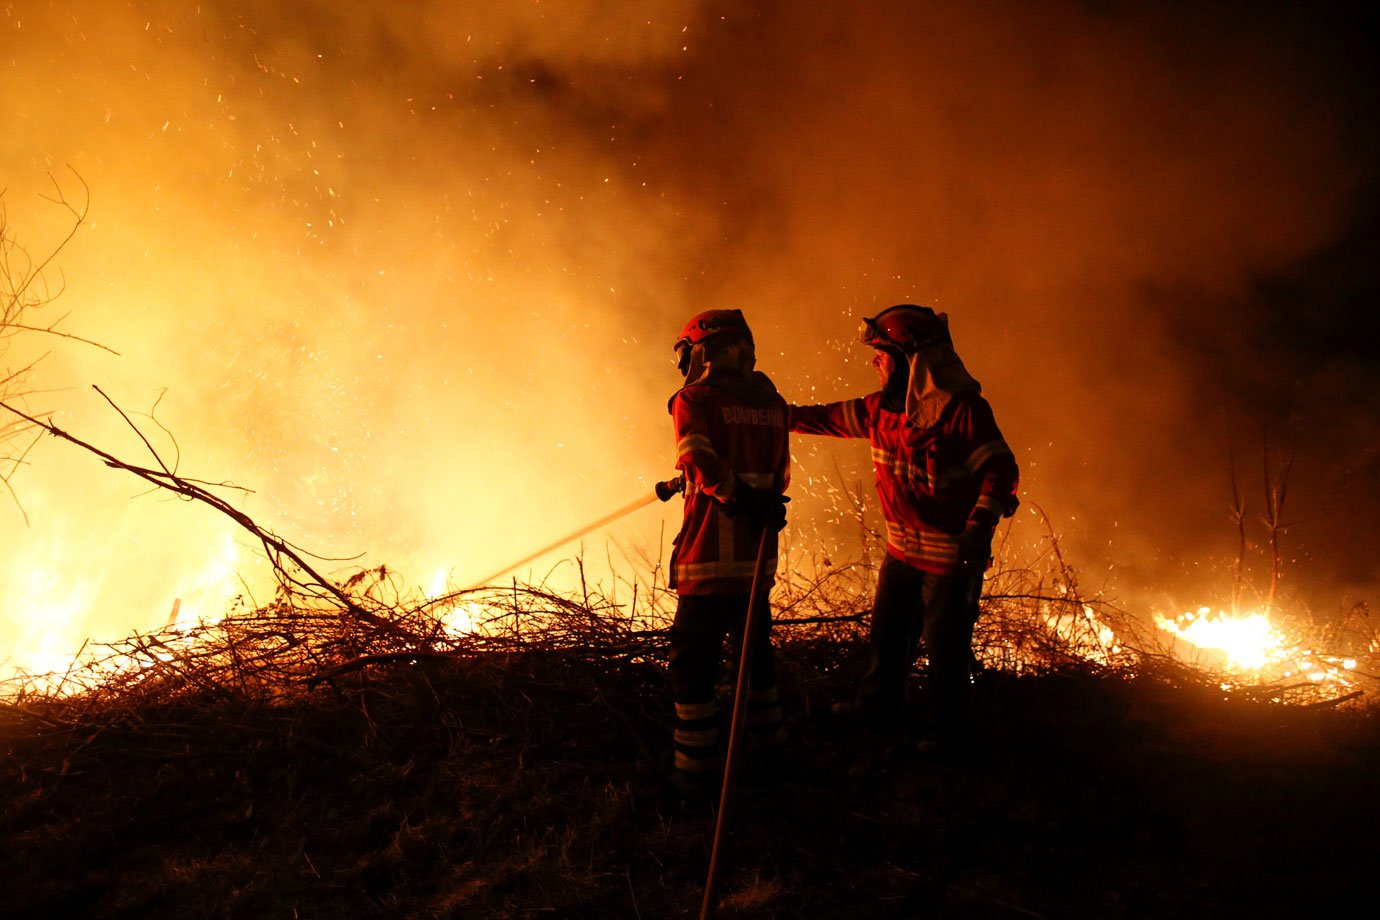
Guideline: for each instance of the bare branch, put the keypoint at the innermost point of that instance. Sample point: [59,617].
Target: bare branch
[15,463]
[78,212]
[275,548]
[1276,489]
[27,284]
[49,330]
[1238,514]
[134,428]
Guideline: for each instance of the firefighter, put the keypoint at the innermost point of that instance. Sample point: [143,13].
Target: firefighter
[945,478]
[731,447]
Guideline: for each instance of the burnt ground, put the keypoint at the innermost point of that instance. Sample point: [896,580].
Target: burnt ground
[529,785]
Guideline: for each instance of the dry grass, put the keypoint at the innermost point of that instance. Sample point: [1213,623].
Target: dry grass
[301,760]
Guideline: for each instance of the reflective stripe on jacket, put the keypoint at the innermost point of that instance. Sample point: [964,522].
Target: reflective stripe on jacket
[929,480]
[721,437]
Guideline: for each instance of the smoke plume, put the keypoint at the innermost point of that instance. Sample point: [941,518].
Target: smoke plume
[411,272]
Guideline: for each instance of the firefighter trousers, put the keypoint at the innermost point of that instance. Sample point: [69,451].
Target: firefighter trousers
[697,638]
[912,607]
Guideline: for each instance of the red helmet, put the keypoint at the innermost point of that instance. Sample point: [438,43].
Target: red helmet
[712,322]
[705,325]
[906,327]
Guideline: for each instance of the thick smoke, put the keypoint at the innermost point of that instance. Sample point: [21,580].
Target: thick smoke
[411,272]
[1144,224]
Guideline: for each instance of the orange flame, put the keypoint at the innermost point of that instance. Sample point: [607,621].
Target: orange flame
[1249,641]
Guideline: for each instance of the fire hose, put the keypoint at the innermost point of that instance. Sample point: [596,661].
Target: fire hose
[757,613]
[663,491]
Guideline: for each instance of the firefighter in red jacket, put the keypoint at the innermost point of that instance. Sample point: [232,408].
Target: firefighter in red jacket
[731,446]
[945,477]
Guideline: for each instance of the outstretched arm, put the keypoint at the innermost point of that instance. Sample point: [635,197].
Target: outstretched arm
[846,419]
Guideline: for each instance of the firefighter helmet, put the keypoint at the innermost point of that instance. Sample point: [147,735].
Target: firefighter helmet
[905,327]
[705,325]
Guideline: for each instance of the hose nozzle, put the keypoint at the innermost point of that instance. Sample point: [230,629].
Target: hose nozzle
[665,490]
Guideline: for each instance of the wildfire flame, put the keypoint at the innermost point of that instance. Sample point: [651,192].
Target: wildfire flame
[387,311]
[1085,632]
[459,615]
[1252,644]
[1249,641]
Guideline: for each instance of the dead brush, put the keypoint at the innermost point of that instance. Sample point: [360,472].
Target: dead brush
[304,650]
[300,755]
[1036,617]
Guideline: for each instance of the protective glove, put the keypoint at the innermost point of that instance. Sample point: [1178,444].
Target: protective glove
[764,507]
[975,544]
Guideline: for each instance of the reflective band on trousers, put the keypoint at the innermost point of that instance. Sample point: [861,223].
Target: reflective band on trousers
[691,764]
[690,712]
[704,738]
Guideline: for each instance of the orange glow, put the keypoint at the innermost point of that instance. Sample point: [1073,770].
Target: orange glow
[412,277]
[459,616]
[1254,649]
[1248,641]
[463,618]
[1085,632]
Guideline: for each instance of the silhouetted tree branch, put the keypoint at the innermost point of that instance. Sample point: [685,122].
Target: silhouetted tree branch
[289,562]
[1276,488]
[1238,516]
[27,286]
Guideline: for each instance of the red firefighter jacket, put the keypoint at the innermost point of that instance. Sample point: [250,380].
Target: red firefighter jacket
[728,428]
[929,480]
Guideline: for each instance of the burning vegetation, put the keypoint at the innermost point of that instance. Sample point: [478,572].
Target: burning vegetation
[338,238]
[359,749]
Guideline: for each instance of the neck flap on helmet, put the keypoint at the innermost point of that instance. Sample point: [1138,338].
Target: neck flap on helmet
[936,373]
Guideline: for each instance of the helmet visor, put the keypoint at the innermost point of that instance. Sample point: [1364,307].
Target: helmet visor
[869,333]
[885,331]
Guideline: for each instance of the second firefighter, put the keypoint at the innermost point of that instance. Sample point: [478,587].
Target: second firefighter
[945,477]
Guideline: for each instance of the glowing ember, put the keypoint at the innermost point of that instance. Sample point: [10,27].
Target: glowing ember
[459,615]
[1085,632]
[464,617]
